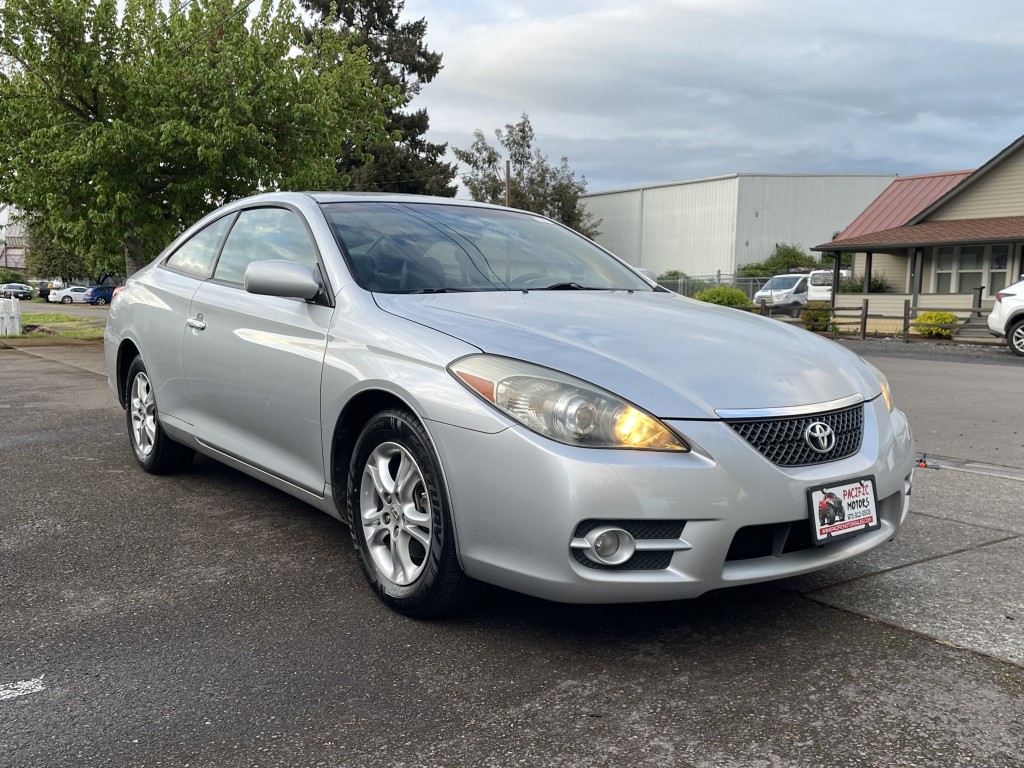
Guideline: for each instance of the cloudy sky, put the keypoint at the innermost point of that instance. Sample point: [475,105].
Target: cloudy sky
[651,91]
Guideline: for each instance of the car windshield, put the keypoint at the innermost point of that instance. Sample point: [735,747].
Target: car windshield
[426,248]
[781,283]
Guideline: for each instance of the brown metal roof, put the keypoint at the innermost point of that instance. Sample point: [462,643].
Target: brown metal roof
[1000,229]
[901,201]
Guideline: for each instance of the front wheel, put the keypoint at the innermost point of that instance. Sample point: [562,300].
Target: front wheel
[795,311]
[400,519]
[1015,338]
[153,449]
[100,301]
[66,300]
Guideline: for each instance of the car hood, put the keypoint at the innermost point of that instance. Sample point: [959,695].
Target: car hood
[675,357]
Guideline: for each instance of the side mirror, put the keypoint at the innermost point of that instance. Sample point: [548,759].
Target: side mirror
[287,279]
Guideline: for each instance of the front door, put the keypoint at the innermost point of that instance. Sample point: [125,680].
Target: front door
[253,364]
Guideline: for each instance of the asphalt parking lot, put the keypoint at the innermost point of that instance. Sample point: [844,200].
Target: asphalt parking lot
[208,620]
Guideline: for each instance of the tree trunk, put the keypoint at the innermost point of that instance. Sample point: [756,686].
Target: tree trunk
[132,252]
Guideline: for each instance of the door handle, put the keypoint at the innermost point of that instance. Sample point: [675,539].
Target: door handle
[196,322]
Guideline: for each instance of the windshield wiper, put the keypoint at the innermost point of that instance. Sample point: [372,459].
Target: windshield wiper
[440,290]
[566,287]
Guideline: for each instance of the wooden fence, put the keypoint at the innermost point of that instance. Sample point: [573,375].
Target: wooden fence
[860,320]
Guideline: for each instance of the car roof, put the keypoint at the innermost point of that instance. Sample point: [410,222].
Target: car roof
[356,196]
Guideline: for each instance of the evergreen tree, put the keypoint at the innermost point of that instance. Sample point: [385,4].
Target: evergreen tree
[399,58]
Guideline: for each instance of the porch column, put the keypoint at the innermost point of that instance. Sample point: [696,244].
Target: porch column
[867,271]
[915,287]
[835,276]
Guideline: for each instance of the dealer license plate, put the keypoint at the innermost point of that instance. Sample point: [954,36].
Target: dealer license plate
[843,509]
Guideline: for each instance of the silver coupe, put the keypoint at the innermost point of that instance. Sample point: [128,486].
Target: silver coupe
[486,397]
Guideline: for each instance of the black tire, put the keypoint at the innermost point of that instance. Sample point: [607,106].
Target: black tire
[153,449]
[795,311]
[66,300]
[413,519]
[100,301]
[1015,337]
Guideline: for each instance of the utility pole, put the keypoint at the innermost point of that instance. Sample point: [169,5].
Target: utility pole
[508,188]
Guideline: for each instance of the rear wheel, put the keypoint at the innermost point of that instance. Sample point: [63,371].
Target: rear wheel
[66,300]
[153,449]
[400,519]
[1015,338]
[100,301]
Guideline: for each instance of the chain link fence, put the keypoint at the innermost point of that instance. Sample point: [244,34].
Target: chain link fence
[690,285]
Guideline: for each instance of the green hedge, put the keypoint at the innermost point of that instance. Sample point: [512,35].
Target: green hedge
[929,324]
[815,316]
[725,295]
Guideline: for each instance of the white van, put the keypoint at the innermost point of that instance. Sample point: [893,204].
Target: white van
[819,285]
[785,293]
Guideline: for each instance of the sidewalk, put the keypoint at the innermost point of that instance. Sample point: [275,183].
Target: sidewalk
[86,355]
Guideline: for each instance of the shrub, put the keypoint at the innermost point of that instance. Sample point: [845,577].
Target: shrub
[783,259]
[815,316]
[725,295]
[10,276]
[929,324]
[855,284]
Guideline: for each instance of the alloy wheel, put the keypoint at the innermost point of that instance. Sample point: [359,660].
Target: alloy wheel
[142,405]
[395,513]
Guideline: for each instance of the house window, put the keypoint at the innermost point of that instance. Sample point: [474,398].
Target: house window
[997,276]
[945,259]
[964,268]
[971,267]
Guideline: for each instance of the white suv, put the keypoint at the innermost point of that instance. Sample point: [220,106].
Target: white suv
[1007,317]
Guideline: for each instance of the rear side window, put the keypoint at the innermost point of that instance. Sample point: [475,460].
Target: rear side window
[196,255]
[261,234]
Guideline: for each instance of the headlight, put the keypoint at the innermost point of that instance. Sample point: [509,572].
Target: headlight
[562,407]
[886,391]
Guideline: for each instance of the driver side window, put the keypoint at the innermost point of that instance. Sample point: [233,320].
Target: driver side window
[262,234]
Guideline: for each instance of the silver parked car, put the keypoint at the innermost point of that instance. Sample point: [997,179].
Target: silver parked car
[485,396]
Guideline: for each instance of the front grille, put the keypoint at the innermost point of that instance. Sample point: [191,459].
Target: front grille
[770,539]
[638,529]
[781,440]
[641,561]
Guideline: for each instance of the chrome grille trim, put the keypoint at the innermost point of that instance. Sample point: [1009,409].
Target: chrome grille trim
[781,439]
[793,410]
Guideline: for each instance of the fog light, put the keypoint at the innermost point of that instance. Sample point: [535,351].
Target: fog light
[606,544]
[609,545]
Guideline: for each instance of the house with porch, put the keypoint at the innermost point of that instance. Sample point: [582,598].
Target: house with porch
[13,239]
[945,240]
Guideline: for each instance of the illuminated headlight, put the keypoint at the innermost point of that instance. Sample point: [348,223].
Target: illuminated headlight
[562,407]
[886,391]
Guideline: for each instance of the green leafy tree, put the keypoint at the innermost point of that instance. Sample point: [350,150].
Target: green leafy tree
[784,258]
[122,122]
[533,183]
[45,258]
[400,59]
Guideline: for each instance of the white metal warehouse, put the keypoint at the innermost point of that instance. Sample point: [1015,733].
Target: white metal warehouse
[706,226]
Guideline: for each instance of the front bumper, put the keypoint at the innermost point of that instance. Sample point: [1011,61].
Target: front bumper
[519,501]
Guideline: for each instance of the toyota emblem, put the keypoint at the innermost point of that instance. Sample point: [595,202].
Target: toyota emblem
[820,437]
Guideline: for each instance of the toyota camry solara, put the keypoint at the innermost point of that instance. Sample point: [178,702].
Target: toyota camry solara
[484,396]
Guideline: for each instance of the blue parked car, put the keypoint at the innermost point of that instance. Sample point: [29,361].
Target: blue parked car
[99,295]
